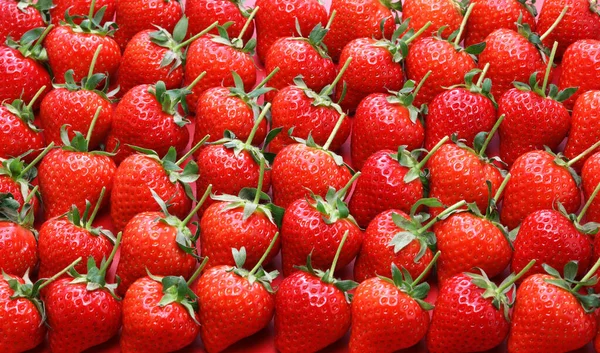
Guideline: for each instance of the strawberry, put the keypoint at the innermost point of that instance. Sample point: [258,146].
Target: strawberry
[585,125]
[306,167]
[315,226]
[590,176]
[157,242]
[134,16]
[471,313]
[18,247]
[201,13]
[359,19]
[278,18]
[376,66]
[390,314]
[159,314]
[581,21]
[235,303]
[81,8]
[22,73]
[550,314]
[474,239]
[18,17]
[312,303]
[396,237]
[63,239]
[83,311]
[72,174]
[441,13]
[386,121]
[464,110]
[580,68]
[490,15]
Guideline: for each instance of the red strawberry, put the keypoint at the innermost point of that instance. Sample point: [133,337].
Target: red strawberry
[18,17]
[580,68]
[277,18]
[72,174]
[590,176]
[315,226]
[359,19]
[390,314]
[386,121]
[440,13]
[550,314]
[201,13]
[83,311]
[585,125]
[81,8]
[235,303]
[18,247]
[312,303]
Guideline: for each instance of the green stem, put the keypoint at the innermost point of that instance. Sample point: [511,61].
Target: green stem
[516,277]
[90,220]
[262,115]
[195,82]
[264,255]
[432,152]
[416,91]
[330,22]
[94,59]
[193,38]
[558,19]
[463,24]
[427,269]
[247,24]
[482,75]
[588,203]
[94,120]
[59,274]
[549,67]
[418,33]
[335,259]
[342,192]
[583,154]
[267,78]
[588,275]
[261,177]
[442,215]
[198,205]
[502,186]
[192,150]
[334,132]
[31,194]
[198,271]
[37,95]
[38,158]
[91,12]
[490,135]
[337,78]
[106,264]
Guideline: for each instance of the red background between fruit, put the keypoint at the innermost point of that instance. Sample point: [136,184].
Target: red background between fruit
[263,341]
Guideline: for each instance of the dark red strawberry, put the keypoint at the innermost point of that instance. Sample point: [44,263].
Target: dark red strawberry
[18,246]
[585,125]
[590,176]
[441,13]
[580,68]
[18,17]
[201,13]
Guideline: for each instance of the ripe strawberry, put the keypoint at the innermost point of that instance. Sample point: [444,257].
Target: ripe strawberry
[278,18]
[72,174]
[81,8]
[201,13]
[312,303]
[306,167]
[390,314]
[234,302]
[18,17]
[83,311]
[134,16]
[63,239]
[590,176]
[157,242]
[550,314]
[18,247]
[441,13]
[490,15]
[580,68]
[585,125]
[394,237]
[315,226]
[386,121]
[376,66]
[359,19]
[22,74]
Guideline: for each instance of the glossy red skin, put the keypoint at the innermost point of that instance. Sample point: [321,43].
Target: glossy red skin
[70,50]
[277,18]
[578,23]
[203,13]
[547,318]
[14,22]
[78,318]
[585,126]
[131,195]
[141,64]
[307,307]
[20,321]
[218,60]
[447,65]
[464,321]
[530,123]
[590,177]
[70,178]
[18,249]
[439,12]
[60,242]
[231,308]
[223,230]
[298,167]
[76,109]
[381,187]
[385,319]
[16,137]
[457,174]
[149,327]
[139,120]
[13,186]
[537,183]
[376,256]
[468,242]
[218,111]
[295,57]
[293,108]
[21,77]
[81,8]
[304,232]
[512,58]
[378,125]
[356,19]
[149,244]
[580,68]
[490,15]
[372,70]
[227,173]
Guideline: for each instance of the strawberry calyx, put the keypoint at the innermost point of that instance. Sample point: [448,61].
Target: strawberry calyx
[251,98]
[401,38]
[410,160]
[524,29]
[562,161]
[594,7]
[589,228]
[245,11]
[392,5]
[483,86]
[324,98]
[86,219]
[257,273]
[92,23]
[456,37]
[316,36]
[332,207]
[30,43]
[80,143]
[237,42]
[480,145]
[171,100]
[24,111]
[406,97]
[43,7]
[11,210]
[589,302]
[530,6]
[22,174]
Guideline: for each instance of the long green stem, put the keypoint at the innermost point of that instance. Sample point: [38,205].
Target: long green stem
[583,154]
[93,124]
[106,264]
[418,33]
[198,271]
[337,78]
[431,153]
[193,150]
[264,255]
[490,135]
[558,19]
[59,274]
[463,24]
[444,213]
[90,220]
[267,78]
[196,36]
[330,22]
[502,186]
[336,258]
[248,21]
[38,158]
[482,75]
[261,177]
[421,83]
[94,59]
[334,132]
[198,205]
[427,269]
[516,277]
[342,192]
[588,203]
[549,67]
[195,82]
[37,95]
[260,118]
[588,275]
